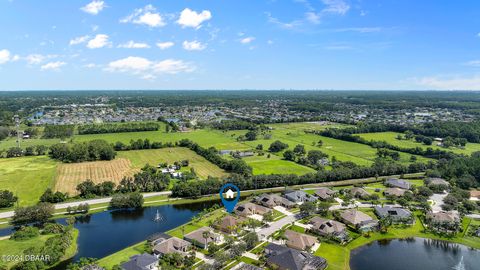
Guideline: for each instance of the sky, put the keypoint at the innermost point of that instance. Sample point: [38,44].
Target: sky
[240,44]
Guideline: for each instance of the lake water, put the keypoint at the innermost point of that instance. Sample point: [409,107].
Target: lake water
[107,232]
[414,253]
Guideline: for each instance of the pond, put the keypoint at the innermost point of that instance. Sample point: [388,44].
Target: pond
[414,253]
[104,233]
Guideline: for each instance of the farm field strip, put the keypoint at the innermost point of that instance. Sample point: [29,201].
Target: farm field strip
[69,175]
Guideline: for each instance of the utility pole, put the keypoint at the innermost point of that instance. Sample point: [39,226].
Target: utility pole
[17,125]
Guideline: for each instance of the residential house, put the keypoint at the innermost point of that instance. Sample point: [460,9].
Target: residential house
[359,220]
[248,209]
[225,152]
[228,224]
[477,232]
[299,196]
[399,183]
[157,238]
[143,261]
[435,181]
[397,214]
[394,192]
[202,237]
[272,200]
[475,195]
[171,245]
[444,220]
[359,192]
[329,228]
[299,241]
[285,258]
[324,193]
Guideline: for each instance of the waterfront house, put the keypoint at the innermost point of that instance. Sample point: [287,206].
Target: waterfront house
[299,241]
[448,221]
[359,220]
[247,209]
[228,224]
[285,258]
[396,214]
[329,228]
[202,237]
[171,245]
[143,261]
[298,196]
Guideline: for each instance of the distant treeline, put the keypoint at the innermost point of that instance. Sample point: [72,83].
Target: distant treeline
[342,171]
[58,131]
[85,151]
[117,127]
[233,125]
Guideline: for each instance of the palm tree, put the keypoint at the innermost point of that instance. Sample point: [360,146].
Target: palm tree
[205,235]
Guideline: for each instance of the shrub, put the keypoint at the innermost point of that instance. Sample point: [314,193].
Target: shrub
[25,233]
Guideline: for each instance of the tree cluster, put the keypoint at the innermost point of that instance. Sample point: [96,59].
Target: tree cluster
[58,131]
[85,151]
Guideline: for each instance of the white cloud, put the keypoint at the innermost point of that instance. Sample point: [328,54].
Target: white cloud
[193,45]
[35,59]
[247,40]
[312,17]
[172,66]
[90,65]
[147,16]
[450,83]
[146,68]
[99,41]
[79,40]
[190,18]
[15,58]
[286,25]
[53,65]
[270,42]
[94,7]
[335,7]
[473,63]
[165,45]
[4,56]
[134,45]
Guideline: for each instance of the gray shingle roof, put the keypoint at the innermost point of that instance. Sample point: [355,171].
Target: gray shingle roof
[139,262]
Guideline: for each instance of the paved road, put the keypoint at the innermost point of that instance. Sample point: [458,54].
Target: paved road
[475,216]
[91,202]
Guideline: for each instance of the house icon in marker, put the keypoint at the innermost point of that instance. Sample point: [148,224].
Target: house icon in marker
[230,194]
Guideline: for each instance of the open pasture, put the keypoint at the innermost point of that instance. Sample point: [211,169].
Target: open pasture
[27,177]
[275,165]
[203,168]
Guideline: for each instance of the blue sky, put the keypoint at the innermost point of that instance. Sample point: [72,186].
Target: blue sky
[256,44]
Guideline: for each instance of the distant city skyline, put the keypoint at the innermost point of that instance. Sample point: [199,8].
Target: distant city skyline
[234,45]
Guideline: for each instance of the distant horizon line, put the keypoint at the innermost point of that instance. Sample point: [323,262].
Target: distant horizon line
[252,90]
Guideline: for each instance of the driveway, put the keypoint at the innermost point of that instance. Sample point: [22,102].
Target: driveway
[437,200]
[264,233]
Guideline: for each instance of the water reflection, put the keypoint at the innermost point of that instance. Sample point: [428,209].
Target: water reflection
[414,253]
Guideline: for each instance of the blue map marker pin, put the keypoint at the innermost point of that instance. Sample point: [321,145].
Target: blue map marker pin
[231,199]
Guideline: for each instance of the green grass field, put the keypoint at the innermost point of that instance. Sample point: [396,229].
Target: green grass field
[27,177]
[391,137]
[202,167]
[275,165]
